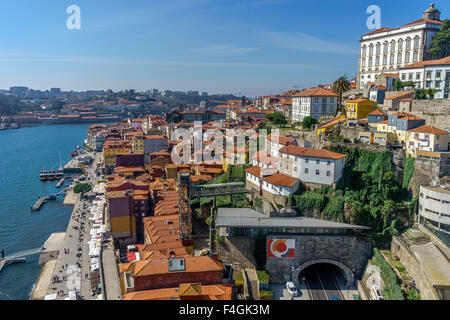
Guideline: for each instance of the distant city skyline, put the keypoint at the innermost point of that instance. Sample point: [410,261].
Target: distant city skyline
[240,47]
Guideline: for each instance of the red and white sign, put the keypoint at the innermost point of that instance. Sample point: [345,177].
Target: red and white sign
[281,248]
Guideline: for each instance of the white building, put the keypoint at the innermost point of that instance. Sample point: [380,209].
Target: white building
[434,208]
[312,165]
[386,50]
[314,102]
[277,184]
[274,143]
[431,74]
[426,138]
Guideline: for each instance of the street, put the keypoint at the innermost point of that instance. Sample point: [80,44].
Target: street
[323,281]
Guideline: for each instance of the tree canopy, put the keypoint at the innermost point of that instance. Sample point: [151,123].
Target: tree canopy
[340,86]
[276,118]
[82,188]
[440,45]
[308,122]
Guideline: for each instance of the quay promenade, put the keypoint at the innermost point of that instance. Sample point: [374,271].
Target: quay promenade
[71,273]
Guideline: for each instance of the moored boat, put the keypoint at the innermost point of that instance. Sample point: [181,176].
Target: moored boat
[52,175]
[60,173]
[43,175]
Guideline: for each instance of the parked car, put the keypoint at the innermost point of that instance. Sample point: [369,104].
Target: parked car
[290,286]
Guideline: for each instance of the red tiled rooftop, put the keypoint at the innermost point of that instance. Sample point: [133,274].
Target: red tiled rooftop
[312,153]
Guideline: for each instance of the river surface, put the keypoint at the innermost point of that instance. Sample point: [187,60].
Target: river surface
[24,153]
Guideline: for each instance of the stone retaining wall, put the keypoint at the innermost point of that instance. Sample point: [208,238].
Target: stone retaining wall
[414,268]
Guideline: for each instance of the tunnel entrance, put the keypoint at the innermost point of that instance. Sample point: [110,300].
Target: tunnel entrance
[323,281]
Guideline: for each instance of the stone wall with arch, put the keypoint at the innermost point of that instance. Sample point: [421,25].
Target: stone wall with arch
[349,252]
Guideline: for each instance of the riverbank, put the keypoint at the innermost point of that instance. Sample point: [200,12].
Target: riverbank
[28,151]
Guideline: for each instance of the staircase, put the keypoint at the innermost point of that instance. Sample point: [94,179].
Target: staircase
[415,236]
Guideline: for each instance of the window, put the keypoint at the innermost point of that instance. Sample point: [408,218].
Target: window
[306,160]
[385,47]
[363,62]
[407,57]
[416,43]
[328,163]
[317,161]
[328,173]
[385,59]
[371,50]
[317,172]
[437,84]
[400,45]
[378,48]
[408,44]
[364,51]
[404,76]
[393,46]
[417,76]
[377,61]
[415,56]
[410,76]
[399,58]
[429,74]
[317,100]
[295,169]
[306,170]
[428,84]
[391,61]
[438,74]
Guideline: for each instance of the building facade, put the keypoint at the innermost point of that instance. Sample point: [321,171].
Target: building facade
[388,49]
[432,74]
[312,165]
[314,102]
[434,208]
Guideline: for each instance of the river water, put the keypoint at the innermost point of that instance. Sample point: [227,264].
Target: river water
[23,154]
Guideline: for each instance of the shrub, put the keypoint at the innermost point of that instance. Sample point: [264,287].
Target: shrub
[392,290]
[82,188]
[263,276]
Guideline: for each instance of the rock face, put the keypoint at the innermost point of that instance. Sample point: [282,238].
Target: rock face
[426,172]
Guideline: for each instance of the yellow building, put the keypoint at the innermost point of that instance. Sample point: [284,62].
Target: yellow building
[328,125]
[111,149]
[137,144]
[359,108]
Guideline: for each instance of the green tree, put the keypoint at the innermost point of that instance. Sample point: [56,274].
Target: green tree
[398,85]
[276,118]
[340,86]
[440,45]
[82,188]
[308,122]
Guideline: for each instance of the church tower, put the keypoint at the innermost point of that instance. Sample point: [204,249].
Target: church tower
[432,13]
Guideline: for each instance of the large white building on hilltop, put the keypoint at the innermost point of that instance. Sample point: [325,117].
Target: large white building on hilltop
[386,50]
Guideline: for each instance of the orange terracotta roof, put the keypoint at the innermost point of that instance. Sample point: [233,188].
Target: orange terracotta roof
[264,157]
[383,29]
[281,140]
[376,113]
[428,129]
[192,264]
[256,171]
[438,62]
[384,122]
[205,292]
[411,118]
[357,100]
[399,95]
[312,153]
[280,179]
[422,21]
[316,92]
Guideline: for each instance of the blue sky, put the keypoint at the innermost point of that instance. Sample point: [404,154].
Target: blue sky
[251,47]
